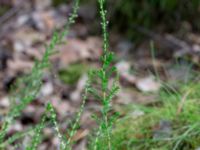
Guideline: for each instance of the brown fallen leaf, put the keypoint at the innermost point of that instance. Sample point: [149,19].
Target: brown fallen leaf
[80,134]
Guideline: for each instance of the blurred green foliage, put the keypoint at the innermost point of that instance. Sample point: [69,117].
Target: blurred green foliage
[163,15]
[167,14]
[72,73]
[3,9]
[58,2]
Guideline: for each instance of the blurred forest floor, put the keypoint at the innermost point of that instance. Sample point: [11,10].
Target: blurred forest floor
[26,26]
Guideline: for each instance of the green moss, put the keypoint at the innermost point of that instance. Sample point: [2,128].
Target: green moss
[72,73]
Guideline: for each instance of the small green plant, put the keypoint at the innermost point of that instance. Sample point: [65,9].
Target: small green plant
[104,93]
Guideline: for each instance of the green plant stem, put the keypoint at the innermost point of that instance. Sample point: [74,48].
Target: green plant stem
[105,115]
[37,136]
[104,72]
[97,139]
[53,117]
[78,116]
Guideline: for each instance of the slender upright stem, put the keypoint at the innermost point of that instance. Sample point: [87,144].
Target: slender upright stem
[104,81]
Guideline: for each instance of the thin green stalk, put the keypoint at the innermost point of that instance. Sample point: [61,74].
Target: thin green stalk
[16,136]
[104,24]
[53,117]
[96,141]
[36,139]
[78,116]
[37,135]
[104,74]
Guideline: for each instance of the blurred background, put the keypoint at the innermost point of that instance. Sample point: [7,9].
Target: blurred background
[151,39]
